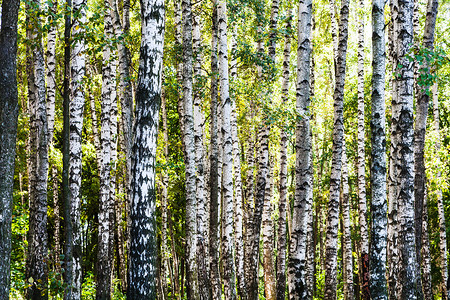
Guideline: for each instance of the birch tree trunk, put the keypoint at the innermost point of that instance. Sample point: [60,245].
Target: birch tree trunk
[106,204]
[9,111]
[227,142]
[378,289]
[361,164]
[440,203]
[202,234]
[347,246]
[216,287]
[425,253]
[338,137]
[238,203]
[143,252]
[76,107]
[268,238]
[297,272]
[422,103]
[50,74]
[189,143]
[36,263]
[282,204]
[402,152]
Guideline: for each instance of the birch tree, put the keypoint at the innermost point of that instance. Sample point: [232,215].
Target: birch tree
[297,269]
[422,103]
[440,203]
[336,164]
[378,289]
[9,111]
[216,287]
[227,144]
[402,152]
[36,265]
[142,270]
[282,204]
[105,237]
[361,165]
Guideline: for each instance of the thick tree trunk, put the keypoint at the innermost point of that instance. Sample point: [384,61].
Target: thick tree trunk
[268,238]
[76,107]
[37,255]
[143,252]
[202,234]
[297,272]
[282,204]
[9,111]
[216,287]
[402,152]
[338,137]
[361,164]
[378,288]
[106,203]
[227,144]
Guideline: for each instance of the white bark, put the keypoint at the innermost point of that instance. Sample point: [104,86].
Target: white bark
[302,210]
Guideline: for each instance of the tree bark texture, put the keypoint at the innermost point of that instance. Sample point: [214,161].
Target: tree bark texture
[378,289]
[189,144]
[297,275]
[227,144]
[142,269]
[402,152]
[422,103]
[268,238]
[106,203]
[282,204]
[37,258]
[361,165]
[338,137]
[216,287]
[9,111]
[347,251]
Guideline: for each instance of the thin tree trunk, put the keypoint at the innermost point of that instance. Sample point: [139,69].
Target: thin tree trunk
[297,272]
[440,203]
[216,287]
[68,227]
[378,289]
[9,111]
[425,253]
[202,234]
[422,103]
[338,137]
[282,204]
[142,269]
[50,74]
[227,144]
[106,204]
[238,203]
[189,143]
[347,246]
[165,254]
[361,164]
[268,238]
[402,152]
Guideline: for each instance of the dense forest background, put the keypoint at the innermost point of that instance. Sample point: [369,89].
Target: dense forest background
[293,149]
